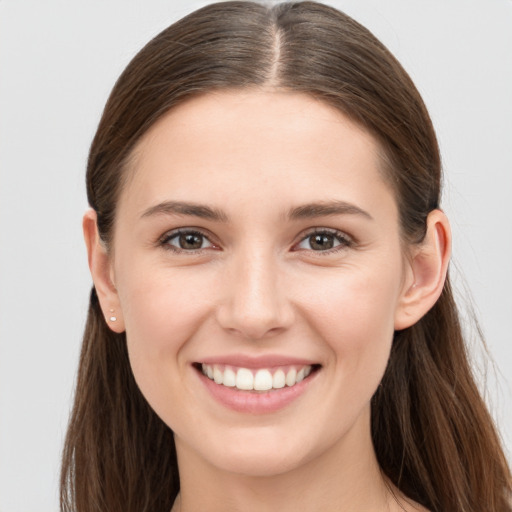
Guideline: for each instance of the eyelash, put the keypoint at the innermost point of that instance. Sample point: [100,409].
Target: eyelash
[164,241]
[344,241]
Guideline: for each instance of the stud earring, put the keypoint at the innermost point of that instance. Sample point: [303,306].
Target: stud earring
[112,317]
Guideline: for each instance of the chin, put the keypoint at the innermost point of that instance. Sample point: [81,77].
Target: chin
[258,462]
[258,451]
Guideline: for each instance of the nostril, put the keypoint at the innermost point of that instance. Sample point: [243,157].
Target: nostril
[255,322]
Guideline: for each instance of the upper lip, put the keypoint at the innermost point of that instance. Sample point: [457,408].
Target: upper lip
[254,362]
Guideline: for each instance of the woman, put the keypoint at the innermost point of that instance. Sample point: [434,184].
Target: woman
[271,325]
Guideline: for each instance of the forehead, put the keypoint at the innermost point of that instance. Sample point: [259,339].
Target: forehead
[255,145]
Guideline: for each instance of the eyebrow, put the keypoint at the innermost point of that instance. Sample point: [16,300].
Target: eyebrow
[306,211]
[325,209]
[183,208]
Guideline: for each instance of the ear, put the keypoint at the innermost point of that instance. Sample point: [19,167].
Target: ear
[102,273]
[427,269]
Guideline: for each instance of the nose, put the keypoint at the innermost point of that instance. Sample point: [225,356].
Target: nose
[255,303]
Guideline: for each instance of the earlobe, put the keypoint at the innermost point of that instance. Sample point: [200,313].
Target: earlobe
[428,269]
[101,272]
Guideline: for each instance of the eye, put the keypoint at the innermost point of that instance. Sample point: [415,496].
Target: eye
[185,241]
[323,241]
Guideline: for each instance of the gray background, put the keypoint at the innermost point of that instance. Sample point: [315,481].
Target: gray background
[58,61]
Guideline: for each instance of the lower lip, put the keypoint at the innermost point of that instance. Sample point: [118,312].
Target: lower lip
[256,402]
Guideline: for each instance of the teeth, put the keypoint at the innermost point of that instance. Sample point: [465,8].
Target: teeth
[244,379]
[218,376]
[261,380]
[291,377]
[279,380]
[229,378]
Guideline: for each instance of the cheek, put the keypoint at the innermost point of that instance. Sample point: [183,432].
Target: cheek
[360,340]
[353,313]
[162,311]
[354,303]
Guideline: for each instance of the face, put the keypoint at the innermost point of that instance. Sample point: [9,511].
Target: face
[259,270]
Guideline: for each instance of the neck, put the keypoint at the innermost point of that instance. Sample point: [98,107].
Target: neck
[345,477]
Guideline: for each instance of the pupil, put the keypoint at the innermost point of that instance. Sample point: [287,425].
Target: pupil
[191,241]
[321,242]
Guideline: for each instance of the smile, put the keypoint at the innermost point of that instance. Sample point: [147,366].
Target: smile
[262,379]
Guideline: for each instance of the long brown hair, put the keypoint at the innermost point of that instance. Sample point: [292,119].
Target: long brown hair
[432,434]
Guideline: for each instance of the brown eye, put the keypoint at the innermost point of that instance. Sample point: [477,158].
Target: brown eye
[323,241]
[186,241]
[190,241]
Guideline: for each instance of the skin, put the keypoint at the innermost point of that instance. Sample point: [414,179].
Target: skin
[257,287]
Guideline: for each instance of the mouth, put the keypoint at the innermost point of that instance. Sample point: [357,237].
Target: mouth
[256,380]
